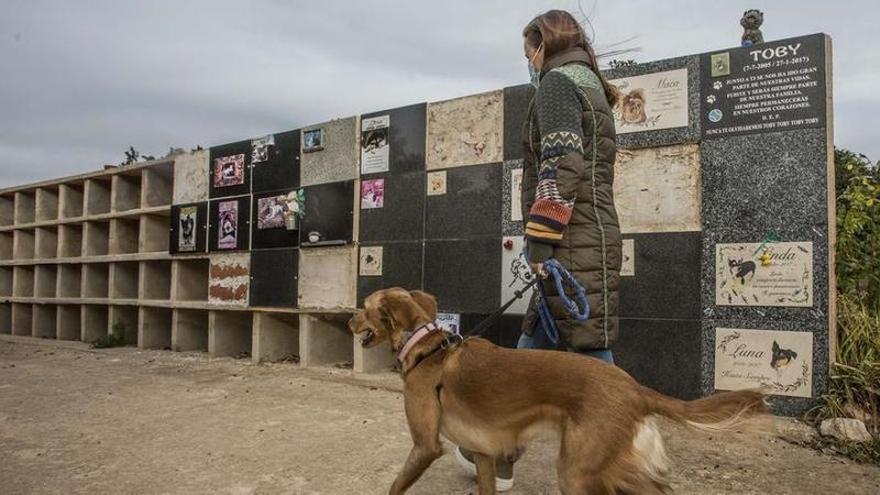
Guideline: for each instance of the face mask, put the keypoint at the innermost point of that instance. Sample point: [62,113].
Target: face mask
[534,74]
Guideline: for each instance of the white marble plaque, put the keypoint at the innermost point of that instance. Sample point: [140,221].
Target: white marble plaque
[628,267]
[780,363]
[652,101]
[658,189]
[764,274]
[436,183]
[516,195]
[371,261]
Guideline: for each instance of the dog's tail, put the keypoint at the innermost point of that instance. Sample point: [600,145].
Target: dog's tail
[721,411]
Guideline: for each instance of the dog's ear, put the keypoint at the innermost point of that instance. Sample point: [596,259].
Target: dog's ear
[426,301]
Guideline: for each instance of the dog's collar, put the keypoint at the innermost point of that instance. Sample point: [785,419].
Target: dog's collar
[410,339]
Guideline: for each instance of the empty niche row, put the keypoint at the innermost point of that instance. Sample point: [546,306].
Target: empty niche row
[144,233]
[126,189]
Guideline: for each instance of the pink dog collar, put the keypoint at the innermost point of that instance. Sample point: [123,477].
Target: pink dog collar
[417,335]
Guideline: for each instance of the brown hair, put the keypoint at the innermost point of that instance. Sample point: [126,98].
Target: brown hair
[559,31]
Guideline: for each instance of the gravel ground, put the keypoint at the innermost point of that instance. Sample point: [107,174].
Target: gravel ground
[75,420]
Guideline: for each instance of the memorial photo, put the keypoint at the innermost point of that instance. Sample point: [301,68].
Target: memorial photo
[227,233]
[229,171]
[313,140]
[187,230]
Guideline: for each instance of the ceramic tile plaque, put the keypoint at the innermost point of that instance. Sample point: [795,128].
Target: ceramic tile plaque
[658,189]
[652,102]
[764,274]
[515,274]
[781,363]
[628,267]
[465,131]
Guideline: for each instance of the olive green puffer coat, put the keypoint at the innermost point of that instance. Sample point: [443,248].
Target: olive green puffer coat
[567,197]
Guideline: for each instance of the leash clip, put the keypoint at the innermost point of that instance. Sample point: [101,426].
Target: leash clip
[451,340]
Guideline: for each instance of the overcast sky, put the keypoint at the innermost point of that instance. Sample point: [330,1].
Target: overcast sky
[81,81]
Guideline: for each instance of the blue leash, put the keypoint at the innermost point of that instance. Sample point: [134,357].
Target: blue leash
[560,276]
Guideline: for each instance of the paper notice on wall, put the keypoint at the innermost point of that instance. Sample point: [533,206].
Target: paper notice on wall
[186,241]
[628,266]
[374,144]
[371,261]
[437,183]
[451,322]
[516,195]
[227,225]
[260,148]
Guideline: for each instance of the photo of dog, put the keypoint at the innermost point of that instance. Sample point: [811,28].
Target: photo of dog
[632,106]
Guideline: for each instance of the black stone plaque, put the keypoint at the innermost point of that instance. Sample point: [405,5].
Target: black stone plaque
[274,278]
[516,106]
[280,170]
[229,216]
[402,215]
[401,267]
[471,206]
[464,275]
[329,214]
[661,354]
[229,169]
[776,86]
[667,277]
[195,239]
[268,226]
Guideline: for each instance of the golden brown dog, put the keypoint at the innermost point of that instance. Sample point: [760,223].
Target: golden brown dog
[491,400]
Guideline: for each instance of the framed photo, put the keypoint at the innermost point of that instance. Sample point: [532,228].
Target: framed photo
[229,170]
[313,140]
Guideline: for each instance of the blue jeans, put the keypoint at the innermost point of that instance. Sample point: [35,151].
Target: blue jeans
[540,341]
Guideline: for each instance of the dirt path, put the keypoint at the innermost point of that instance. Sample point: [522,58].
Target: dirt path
[74,420]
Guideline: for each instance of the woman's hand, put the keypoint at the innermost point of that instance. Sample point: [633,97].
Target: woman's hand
[538,269]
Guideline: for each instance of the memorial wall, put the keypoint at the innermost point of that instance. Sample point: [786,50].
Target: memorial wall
[723,185]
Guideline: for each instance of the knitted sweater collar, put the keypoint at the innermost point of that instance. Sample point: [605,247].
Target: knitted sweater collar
[567,56]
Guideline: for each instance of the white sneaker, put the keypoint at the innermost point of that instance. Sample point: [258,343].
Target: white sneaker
[501,484]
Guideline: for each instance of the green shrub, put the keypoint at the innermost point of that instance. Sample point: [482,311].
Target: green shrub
[854,384]
[116,338]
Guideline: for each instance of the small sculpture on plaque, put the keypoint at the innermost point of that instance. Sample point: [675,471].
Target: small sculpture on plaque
[751,22]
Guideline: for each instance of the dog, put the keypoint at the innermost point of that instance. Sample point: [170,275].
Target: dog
[632,107]
[492,400]
[743,269]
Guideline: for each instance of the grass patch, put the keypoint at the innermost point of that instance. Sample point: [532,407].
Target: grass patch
[116,338]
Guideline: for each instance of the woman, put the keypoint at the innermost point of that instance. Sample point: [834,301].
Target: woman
[568,201]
